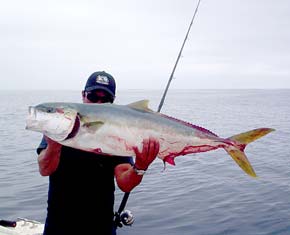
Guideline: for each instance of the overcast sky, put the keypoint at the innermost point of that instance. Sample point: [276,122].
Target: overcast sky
[57,44]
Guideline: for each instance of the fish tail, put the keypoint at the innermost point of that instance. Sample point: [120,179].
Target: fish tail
[240,141]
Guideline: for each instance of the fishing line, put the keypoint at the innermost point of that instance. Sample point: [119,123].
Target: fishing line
[117,221]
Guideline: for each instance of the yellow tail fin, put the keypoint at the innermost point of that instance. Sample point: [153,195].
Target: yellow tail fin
[236,151]
[250,136]
[242,160]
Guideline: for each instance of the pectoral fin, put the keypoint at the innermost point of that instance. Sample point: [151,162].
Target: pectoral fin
[93,126]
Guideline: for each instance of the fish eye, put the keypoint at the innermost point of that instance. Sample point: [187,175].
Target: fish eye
[50,110]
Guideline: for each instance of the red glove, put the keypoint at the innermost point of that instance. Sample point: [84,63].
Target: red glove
[147,155]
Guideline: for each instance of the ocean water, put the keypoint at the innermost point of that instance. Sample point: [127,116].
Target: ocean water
[204,194]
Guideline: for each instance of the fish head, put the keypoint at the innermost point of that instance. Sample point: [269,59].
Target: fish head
[58,121]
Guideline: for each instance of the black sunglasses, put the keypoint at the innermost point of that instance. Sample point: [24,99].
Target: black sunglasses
[93,97]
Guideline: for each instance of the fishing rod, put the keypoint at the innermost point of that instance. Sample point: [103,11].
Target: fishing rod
[177,60]
[124,216]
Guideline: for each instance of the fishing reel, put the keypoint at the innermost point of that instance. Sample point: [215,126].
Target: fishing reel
[127,218]
[124,218]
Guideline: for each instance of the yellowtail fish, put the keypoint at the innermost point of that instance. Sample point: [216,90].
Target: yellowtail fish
[112,129]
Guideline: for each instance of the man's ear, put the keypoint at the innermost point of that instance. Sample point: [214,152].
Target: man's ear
[83,94]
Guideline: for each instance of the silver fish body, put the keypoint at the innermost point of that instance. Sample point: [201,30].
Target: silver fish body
[115,129]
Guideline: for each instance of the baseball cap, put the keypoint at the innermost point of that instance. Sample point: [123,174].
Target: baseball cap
[101,80]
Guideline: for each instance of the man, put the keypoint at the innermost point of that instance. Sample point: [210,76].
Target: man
[81,184]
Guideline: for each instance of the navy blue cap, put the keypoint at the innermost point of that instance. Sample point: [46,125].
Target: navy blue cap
[101,81]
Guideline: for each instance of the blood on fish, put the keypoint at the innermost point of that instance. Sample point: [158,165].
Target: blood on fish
[122,141]
[187,150]
[98,150]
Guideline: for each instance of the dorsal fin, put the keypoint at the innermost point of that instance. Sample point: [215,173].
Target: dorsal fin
[140,105]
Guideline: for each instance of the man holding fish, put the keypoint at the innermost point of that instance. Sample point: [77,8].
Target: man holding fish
[119,130]
[81,184]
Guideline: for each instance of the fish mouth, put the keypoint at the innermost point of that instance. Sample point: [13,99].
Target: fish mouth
[31,111]
[30,119]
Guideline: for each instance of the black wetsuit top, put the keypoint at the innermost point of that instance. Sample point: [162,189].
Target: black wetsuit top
[81,193]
